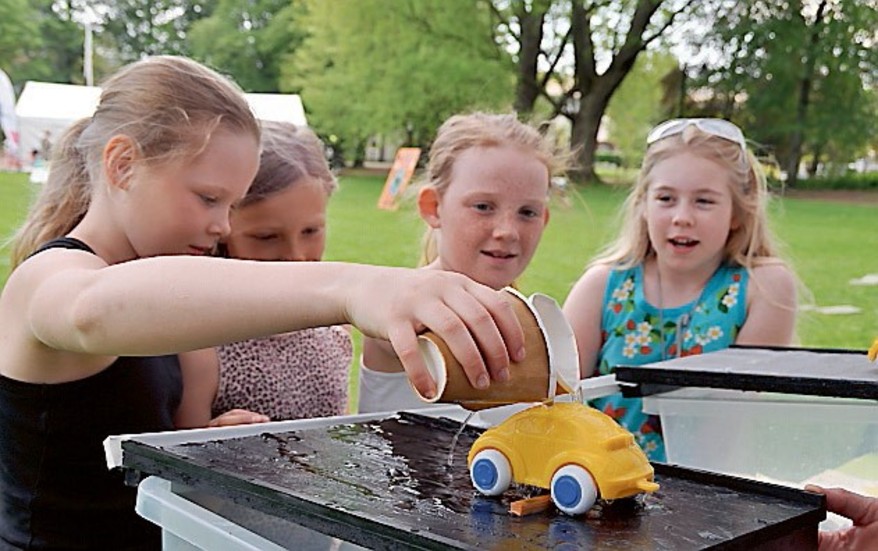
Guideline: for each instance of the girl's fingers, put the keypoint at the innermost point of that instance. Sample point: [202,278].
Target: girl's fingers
[503,316]
[860,509]
[492,350]
[405,344]
[237,417]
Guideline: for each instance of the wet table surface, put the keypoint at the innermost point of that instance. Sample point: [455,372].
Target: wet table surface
[388,484]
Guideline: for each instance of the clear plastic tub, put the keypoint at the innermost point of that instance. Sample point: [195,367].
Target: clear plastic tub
[781,437]
[187,526]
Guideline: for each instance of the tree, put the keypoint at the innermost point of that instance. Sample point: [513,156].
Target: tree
[592,47]
[140,28]
[248,40]
[798,75]
[41,41]
[18,32]
[365,69]
[637,104]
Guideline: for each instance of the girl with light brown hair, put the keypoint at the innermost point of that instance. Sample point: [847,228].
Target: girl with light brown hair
[113,280]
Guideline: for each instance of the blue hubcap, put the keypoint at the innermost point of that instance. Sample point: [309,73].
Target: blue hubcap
[485,474]
[567,491]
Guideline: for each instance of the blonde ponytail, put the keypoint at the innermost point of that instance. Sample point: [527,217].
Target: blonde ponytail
[63,200]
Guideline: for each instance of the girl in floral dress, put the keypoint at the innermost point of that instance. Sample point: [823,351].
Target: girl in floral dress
[693,270]
[294,375]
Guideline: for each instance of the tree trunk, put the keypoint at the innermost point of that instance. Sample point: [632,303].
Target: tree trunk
[804,98]
[815,162]
[527,89]
[584,135]
[359,153]
[594,91]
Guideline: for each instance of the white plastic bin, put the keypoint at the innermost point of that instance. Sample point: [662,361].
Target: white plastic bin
[188,526]
[782,437]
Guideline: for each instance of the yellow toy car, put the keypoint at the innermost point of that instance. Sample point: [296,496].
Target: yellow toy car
[576,452]
[873,350]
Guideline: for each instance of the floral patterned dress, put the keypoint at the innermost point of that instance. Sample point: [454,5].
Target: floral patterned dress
[634,332]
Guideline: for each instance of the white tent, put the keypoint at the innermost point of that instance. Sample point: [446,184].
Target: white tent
[278,108]
[48,106]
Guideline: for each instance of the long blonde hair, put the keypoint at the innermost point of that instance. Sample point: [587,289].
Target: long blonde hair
[462,132]
[750,244]
[167,105]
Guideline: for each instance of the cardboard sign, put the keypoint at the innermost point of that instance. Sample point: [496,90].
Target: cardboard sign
[399,176]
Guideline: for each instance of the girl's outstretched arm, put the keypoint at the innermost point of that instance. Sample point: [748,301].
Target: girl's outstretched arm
[73,302]
[771,307]
[583,308]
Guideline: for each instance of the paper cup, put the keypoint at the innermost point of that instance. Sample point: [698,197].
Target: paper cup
[550,367]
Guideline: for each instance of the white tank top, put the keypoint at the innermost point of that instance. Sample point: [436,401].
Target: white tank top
[382,391]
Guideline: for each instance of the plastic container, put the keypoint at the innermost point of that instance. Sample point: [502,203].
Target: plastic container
[187,526]
[785,438]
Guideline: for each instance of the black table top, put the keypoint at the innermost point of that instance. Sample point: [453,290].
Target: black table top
[835,373]
[387,484]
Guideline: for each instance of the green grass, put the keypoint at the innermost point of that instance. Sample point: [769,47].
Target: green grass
[828,243]
[15,196]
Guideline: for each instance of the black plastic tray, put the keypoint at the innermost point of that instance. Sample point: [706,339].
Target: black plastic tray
[817,372]
[386,484]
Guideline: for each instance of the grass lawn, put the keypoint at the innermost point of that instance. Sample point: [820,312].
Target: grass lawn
[828,243]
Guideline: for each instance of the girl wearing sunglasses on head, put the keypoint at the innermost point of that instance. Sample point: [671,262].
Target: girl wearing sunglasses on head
[694,269]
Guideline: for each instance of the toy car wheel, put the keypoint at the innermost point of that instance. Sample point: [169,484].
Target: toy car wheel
[573,490]
[490,472]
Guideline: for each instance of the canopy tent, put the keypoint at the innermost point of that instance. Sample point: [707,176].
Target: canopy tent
[49,107]
[278,108]
[46,106]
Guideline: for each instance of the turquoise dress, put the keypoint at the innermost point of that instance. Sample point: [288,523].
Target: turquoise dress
[634,332]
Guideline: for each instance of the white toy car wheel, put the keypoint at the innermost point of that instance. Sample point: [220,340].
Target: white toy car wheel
[490,472]
[573,490]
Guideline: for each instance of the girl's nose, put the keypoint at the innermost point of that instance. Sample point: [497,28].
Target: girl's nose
[683,215]
[505,227]
[294,252]
[220,226]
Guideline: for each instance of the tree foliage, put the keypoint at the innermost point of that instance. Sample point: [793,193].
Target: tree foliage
[140,28]
[249,40]
[637,104]
[799,75]
[41,41]
[371,67]
[18,31]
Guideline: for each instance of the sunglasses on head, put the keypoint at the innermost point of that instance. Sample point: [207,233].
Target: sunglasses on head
[720,128]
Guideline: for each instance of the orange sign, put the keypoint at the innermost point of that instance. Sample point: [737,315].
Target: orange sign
[399,176]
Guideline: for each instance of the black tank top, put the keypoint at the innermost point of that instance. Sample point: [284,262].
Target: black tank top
[55,489]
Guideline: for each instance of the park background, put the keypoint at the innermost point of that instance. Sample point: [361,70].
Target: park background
[829,242]
[798,76]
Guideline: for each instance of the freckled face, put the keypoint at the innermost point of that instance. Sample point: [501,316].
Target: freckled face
[287,225]
[492,214]
[183,207]
[688,212]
